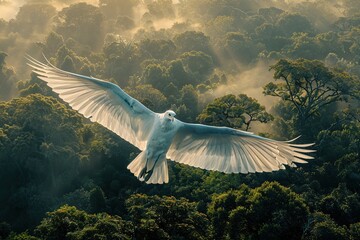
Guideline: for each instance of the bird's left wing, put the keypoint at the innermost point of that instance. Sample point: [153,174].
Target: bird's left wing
[232,151]
[100,101]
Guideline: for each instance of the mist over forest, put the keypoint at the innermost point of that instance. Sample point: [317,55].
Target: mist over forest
[278,68]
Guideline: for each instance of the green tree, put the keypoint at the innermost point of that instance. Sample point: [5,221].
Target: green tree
[348,167]
[177,73]
[321,226]
[70,223]
[341,140]
[190,99]
[253,111]
[268,34]
[166,218]
[121,61]
[289,23]
[239,47]
[192,41]
[350,44]
[220,211]
[33,18]
[78,21]
[277,207]
[39,148]
[309,87]
[355,231]
[22,236]
[232,111]
[198,64]
[342,205]
[150,97]
[157,49]
[34,85]
[155,75]
[305,46]
[270,211]
[252,22]
[52,43]
[224,111]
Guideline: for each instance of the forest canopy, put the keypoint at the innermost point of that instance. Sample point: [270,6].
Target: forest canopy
[274,67]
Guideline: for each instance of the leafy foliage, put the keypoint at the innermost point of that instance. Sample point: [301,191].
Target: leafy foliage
[309,87]
[205,60]
[79,20]
[270,211]
[232,111]
[166,217]
[71,223]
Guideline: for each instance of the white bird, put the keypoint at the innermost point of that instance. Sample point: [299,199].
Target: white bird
[161,136]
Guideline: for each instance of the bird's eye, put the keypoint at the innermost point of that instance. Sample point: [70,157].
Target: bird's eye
[169,114]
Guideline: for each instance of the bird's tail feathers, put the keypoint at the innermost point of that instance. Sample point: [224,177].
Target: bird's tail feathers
[157,174]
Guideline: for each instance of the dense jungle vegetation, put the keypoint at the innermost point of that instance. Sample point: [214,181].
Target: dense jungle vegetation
[275,67]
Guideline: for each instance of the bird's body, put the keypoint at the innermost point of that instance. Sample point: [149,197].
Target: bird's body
[163,132]
[151,164]
[160,136]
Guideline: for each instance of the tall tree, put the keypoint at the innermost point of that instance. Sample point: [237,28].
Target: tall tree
[234,111]
[309,86]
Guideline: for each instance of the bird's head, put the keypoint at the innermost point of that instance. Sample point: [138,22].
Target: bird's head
[170,114]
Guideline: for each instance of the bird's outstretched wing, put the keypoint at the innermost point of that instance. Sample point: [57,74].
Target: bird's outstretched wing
[101,101]
[232,151]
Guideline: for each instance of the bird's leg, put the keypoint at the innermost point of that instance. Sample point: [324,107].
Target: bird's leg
[150,172]
[144,170]
[142,173]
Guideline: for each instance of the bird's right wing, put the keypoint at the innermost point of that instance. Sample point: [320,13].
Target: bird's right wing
[100,101]
[233,151]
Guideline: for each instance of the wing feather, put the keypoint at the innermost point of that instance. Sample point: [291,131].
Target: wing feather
[233,151]
[103,102]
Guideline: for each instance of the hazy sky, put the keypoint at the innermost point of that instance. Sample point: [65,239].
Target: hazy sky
[8,9]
